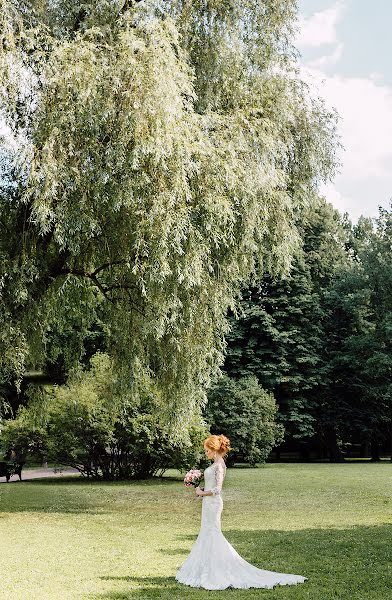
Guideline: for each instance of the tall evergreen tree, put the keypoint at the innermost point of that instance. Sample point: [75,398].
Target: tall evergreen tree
[358,403]
[280,336]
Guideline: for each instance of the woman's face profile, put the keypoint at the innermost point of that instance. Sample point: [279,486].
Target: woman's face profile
[209,453]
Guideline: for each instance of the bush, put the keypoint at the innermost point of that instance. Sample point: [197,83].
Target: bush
[23,438]
[243,411]
[104,433]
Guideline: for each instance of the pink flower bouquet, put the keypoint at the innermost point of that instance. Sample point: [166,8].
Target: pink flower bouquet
[193,477]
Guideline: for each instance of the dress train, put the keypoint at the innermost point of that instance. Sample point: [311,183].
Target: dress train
[213,563]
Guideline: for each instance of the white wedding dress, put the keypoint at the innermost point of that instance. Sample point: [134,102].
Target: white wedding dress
[213,564]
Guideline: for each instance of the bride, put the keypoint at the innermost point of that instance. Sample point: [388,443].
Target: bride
[213,564]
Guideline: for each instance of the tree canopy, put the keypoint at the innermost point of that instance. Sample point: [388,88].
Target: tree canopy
[163,151]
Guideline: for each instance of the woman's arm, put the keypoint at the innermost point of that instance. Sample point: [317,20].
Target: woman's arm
[201,492]
[220,472]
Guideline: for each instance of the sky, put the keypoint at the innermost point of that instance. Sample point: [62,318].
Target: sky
[346,50]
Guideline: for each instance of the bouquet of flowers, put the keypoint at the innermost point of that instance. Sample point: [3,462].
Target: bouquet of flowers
[193,477]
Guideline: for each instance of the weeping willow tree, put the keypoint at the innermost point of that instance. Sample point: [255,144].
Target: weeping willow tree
[160,153]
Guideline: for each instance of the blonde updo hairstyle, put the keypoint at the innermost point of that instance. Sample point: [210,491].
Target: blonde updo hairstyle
[218,443]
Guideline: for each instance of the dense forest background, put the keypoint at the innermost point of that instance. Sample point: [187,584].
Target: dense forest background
[320,340]
[167,265]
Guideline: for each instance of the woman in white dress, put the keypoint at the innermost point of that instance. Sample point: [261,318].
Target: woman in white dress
[213,564]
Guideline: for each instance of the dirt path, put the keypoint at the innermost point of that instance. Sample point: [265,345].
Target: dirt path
[40,473]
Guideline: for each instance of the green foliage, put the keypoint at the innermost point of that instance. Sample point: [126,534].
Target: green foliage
[246,413]
[358,326]
[89,425]
[279,337]
[22,437]
[320,338]
[164,151]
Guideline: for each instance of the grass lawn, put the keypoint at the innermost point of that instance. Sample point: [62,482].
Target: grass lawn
[78,540]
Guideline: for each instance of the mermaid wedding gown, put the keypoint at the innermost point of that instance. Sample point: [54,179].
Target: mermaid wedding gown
[213,564]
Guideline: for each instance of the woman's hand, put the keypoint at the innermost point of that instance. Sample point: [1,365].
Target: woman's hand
[199,491]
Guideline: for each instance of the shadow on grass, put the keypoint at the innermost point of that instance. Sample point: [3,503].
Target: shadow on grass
[341,564]
[75,479]
[72,494]
[80,480]
[176,551]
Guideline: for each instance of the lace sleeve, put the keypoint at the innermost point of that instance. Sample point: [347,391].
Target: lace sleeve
[220,472]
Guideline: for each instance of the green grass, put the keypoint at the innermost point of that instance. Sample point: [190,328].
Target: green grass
[77,540]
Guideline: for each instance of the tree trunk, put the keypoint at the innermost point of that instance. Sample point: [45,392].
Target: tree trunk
[304,452]
[365,449]
[375,451]
[334,451]
[391,444]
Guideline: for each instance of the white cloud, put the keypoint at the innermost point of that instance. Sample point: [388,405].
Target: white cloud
[328,60]
[320,27]
[365,108]
[365,126]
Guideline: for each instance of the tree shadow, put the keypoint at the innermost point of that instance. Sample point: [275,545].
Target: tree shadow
[77,479]
[65,479]
[346,564]
[18,497]
[174,551]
